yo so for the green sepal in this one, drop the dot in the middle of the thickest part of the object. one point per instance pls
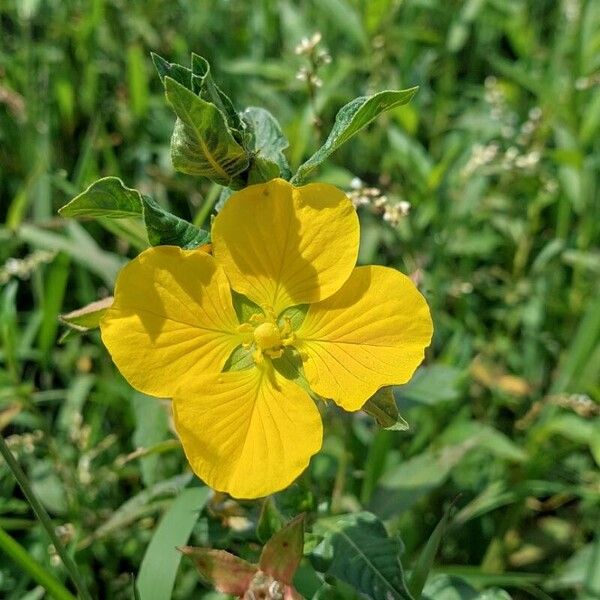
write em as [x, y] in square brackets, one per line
[289, 365]
[383, 408]
[244, 307]
[239, 360]
[86, 318]
[202, 142]
[266, 143]
[295, 314]
[350, 120]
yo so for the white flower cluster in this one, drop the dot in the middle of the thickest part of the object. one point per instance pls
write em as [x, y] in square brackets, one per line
[24, 267]
[309, 76]
[24, 442]
[317, 57]
[377, 202]
[523, 152]
[586, 83]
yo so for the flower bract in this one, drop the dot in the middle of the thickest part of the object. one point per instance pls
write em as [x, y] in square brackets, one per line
[244, 339]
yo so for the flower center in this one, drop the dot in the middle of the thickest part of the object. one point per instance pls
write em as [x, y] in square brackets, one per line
[267, 336]
[264, 333]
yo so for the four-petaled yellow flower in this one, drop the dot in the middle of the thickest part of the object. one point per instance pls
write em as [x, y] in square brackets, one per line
[247, 424]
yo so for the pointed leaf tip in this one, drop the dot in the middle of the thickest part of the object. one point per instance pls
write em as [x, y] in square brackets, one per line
[226, 572]
[283, 552]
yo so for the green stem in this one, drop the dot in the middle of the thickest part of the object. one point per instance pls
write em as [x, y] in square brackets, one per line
[44, 519]
[22, 558]
[207, 207]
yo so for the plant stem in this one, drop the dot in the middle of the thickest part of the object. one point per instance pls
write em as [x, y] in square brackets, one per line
[22, 558]
[207, 207]
[44, 519]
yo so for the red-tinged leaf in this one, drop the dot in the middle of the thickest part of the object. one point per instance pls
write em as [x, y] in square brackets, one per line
[283, 552]
[226, 572]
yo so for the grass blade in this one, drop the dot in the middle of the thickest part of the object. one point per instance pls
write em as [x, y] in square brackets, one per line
[22, 558]
[161, 560]
[421, 571]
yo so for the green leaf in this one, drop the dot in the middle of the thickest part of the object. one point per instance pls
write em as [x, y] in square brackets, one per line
[110, 198]
[383, 408]
[161, 559]
[402, 486]
[107, 197]
[180, 74]
[350, 120]
[55, 285]
[267, 145]
[421, 570]
[88, 317]
[164, 228]
[270, 520]
[151, 428]
[433, 384]
[204, 86]
[360, 552]
[202, 143]
[444, 587]
[138, 506]
[39, 573]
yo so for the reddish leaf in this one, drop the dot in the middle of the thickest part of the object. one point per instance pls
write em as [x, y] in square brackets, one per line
[283, 552]
[227, 573]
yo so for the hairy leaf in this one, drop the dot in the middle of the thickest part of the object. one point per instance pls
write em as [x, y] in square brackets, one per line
[110, 198]
[350, 120]
[202, 143]
[164, 228]
[207, 89]
[181, 74]
[267, 145]
[107, 197]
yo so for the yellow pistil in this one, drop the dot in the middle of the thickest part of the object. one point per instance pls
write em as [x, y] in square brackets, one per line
[267, 336]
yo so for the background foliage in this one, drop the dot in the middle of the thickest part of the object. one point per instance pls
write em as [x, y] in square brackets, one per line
[498, 155]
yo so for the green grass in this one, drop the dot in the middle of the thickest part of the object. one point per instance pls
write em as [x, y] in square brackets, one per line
[498, 155]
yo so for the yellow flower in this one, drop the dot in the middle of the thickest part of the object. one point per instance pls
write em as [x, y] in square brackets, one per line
[246, 421]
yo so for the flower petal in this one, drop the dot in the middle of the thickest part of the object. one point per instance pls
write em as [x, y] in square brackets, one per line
[172, 319]
[282, 246]
[372, 332]
[248, 433]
